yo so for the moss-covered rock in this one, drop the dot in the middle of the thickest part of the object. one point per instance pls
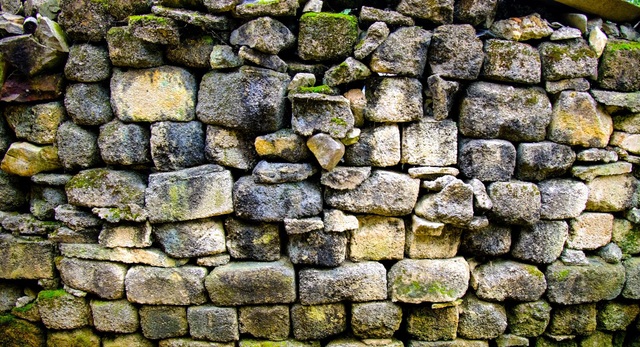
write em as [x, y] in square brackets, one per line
[20, 333]
[326, 36]
[61, 310]
[617, 69]
[573, 284]
[106, 188]
[567, 60]
[22, 259]
[127, 50]
[430, 280]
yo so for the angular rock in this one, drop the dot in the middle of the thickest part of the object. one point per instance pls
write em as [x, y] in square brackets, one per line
[77, 146]
[213, 323]
[616, 316]
[384, 193]
[205, 21]
[626, 236]
[480, 320]
[104, 279]
[611, 253]
[154, 29]
[166, 286]
[149, 256]
[128, 212]
[377, 320]
[303, 226]
[88, 104]
[61, 310]
[492, 240]
[317, 248]
[379, 145]
[283, 144]
[337, 221]
[565, 33]
[542, 160]
[490, 110]
[82, 337]
[529, 319]
[611, 193]
[263, 34]
[199, 192]
[438, 12]
[230, 148]
[456, 52]
[161, 322]
[432, 172]
[252, 283]
[476, 12]
[193, 51]
[348, 71]
[318, 321]
[223, 57]
[628, 123]
[588, 173]
[452, 205]
[590, 231]
[104, 188]
[165, 93]
[268, 322]
[26, 224]
[85, 20]
[403, 53]
[266, 172]
[509, 61]
[344, 177]
[431, 324]
[251, 240]
[632, 270]
[570, 285]
[191, 239]
[177, 145]
[515, 202]
[541, 243]
[567, 60]
[487, 160]
[574, 257]
[315, 112]
[626, 141]
[438, 280]
[116, 316]
[562, 198]
[573, 320]
[377, 238]
[38, 123]
[124, 143]
[25, 259]
[577, 120]
[442, 95]
[578, 84]
[125, 235]
[328, 151]
[126, 50]
[522, 29]
[508, 280]
[269, 61]
[19, 88]
[615, 70]
[249, 99]
[376, 34]
[355, 282]
[372, 14]
[44, 200]
[617, 100]
[252, 9]
[393, 100]
[29, 56]
[426, 245]
[326, 36]
[87, 63]
[26, 159]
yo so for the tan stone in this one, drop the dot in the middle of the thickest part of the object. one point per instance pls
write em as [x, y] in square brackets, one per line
[590, 230]
[378, 238]
[578, 120]
[611, 193]
[626, 141]
[424, 246]
[327, 151]
[26, 159]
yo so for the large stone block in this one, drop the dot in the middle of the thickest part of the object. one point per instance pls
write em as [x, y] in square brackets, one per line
[166, 286]
[126, 50]
[562, 198]
[177, 145]
[611, 193]
[487, 160]
[124, 143]
[509, 61]
[77, 146]
[200, 192]
[24, 259]
[529, 319]
[161, 322]
[88, 103]
[567, 60]
[87, 63]
[85, 20]
[213, 323]
[317, 248]
[456, 52]
[433, 324]
[105, 188]
[378, 145]
[590, 231]
[515, 202]
[357, 282]
[404, 52]
[615, 70]
[430, 142]
[115, 316]
[191, 239]
[315, 112]
[427, 280]
[492, 240]
[503, 280]
[36, 123]
[542, 160]
[148, 256]
[573, 320]
[250, 99]
[315, 322]
[61, 310]
[268, 322]
[393, 100]
[577, 120]
[229, 147]
[165, 93]
[576, 284]
[252, 240]
[249, 283]
[104, 279]
[377, 238]
[326, 36]
[481, 320]
[375, 320]
[541, 243]
[26, 159]
[438, 11]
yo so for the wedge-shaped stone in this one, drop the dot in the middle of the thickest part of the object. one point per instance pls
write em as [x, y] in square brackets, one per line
[403, 53]
[166, 286]
[315, 112]
[148, 256]
[578, 121]
[23, 259]
[508, 280]
[165, 93]
[356, 282]
[571, 285]
[188, 194]
[249, 283]
[105, 188]
[104, 279]
[438, 280]
[26, 159]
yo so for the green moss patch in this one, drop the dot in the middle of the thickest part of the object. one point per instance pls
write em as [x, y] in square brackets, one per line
[323, 89]
[147, 19]
[620, 45]
[51, 294]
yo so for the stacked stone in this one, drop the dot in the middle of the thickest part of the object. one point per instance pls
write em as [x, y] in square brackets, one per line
[185, 179]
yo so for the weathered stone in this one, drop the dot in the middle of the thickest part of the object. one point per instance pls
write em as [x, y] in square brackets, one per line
[26, 224]
[251, 9]
[149, 256]
[476, 12]
[574, 257]
[269, 61]
[251, 240]
[213, 323]
[631, 289]
[452, 205]
[166, 286]
[266, 172]
[384, 193]
[393, 100]
[67, 235]
[315, 112]
[303, 225]
[193, 51]
[375, 319]
[77, 146]
[487, 160]
[318, 321]
[573, 59]
[403, 53]
[126, 50]
[214, 260]
[590, 231]
[570, 285]
[263, 34]
[38, 123]
[456, 52]
[355, 282]
[85, 20]
[26, 159]
[577, 120]
[78, 337]
[526, 28]
[425, 245]
[439, 280]
[480, 320]
[611, 193]
[25, 259]
[119, 316]
[344, 177]
[13, 192]
[597, 41]
[529, 319]
[578, 84]
[124, 143]
[492, 240]
[626, 141]
[283, 144]
[125, 235]
[88, 103]
[614, 70]
[20, 88]
[317, 248]
[541, 243]
[515, 202]
[249, 99]
[588, 173]
[29, 56]
[7, 136]
[20, 333]
[268, 322]
[104, 188]
[431, 324]
[438, 12]
[350, 70]
[76, 218]
[202, 20]
[337, 221]
[10, 296]
[223, 57]
[481, 199]
[200, 192]
[61, 310]
[191, 239]
[629, 123]
[565, 33]
[165, 93]
[490, 110]
[616, 316]
[562, 198]
[458, 342]
[154, 29]
[542, 160]
[432, 172]
[326, 36]
[442, 94]
[379, 145]
[328, 151]
[598, 338]
[617, 100]
[375, 35]
[301, 80]
[626, 236]
[177, 145]
[377, 238]
[230, 148]
[283, 343]
[161, 322]
[372, 14]
[101, 278]
[187, 342]
[573, 320]
[129, 213]
[250, 283]
[508, 280]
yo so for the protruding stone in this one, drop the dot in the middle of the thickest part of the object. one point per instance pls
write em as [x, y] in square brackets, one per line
[303, 226]
[327, 151]
[206, 21]
[476, 12]
[597, 41]
[515, 202]
[481, 320]
[125, 50]
[246, 8]
[315, 112]
[580, 84]
[393, 100]
[578, 121]
[487, 160]
[318, 321]
[542, 160]
[541, 243]
[350, 70]
[508, 280]
[442, 94]
[611, 193]
[614, 69]
[345, 177]
[61, 310]
[104, 279]
[124, 143]
[531, 27]
[212, 323]
[105, 188]
[439, 280]
[403, 53]
[148, 256]
[617, 100]
[193, 51]
[29, 56]
[529, 319]
[438, 12]
[377, 238]
[264, 34]
[456, 52]
[375, 319]
[573, 59]
[38, 123]
[26, 159]
[115, 316]
[570, 285]
[337, 221]
[223, 57]
[588, 173]
[376, 34]
[326, 36]
[452, 205]
[283, 144]
[269, 61]
[166, 286]
[379, 145]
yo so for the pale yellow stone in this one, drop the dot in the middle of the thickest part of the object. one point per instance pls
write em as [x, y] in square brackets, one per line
[26, 159]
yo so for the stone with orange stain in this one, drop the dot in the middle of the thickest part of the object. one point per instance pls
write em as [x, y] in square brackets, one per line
[577, 120]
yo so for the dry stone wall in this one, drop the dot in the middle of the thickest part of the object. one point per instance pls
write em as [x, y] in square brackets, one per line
[260, 173]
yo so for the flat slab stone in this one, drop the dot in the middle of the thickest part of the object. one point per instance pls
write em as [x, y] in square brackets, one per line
[627, 101]
[147, 256]
[166, 286]
[23, 259]
[105, 188]
[588, 173]
[165, 93]
[104, 279]
[428, 280]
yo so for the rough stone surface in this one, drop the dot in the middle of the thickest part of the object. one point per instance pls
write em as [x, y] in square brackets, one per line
[393, 100]
[541, 243]
[87, 63]
[161, 322]
[81, 337]
[194, 52]
[509, 61]
[614, 70]
[213, 323]
[453, 204]
[508, 280]
[326, 36]
[104, 279]
[456, 52]
[345, 177]
[590, 231]
[105, 188]
[264, 34]
[570, 285]
[318, 321]
[379, 145]
[124, 143]
[588, 173]
[377, 238]
[529, 319]
[317, 248]
[542, 160]
[375, 319]
[88, 104]
[126, 50]
[38, 123]
[431, 324]
[442, 95]
[481, 319]
[403, 53]
[567, 60]
[438, 12]
[577, 120]
[152, 257]
[611, 193]
[509, 201]
[229, 147]
[625, 235]
[523, 28]
[26, 159]
[252, 240]
[476, 12]
[376, 34]
[425, 245]
[77, 147]
[487, 160]
[573, 320]
[166, 286]
[632, 269]
[116, 316]
[283, 144]
[492, 240]
[430, 142]
[61, 310]
[177, 145]
[562, 198]
[315, 112]
[25, 259]
[439, 280]
[268, 322]
[192, 238]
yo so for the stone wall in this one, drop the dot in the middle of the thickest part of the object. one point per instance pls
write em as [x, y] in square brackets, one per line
[295, 174]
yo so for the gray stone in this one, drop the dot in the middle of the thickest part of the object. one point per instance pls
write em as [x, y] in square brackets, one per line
[105, 188]
[509, 201]
[126, 235]
[13, 192]
[264, 34]
[617, 316]
[82, 337]
[588, 173]
[177, 145]
[76, 218]
[318, 321]
[345, 177]
[317, 248]
[611, 193]
[268, 322]
[481, 320]
[481, 199]
[61, 310]
[430, 142]
[425, 245]
[85, 20]
[526, 28]
[384, 193]
[125, 213]
[214, 260]
[565, 33]
[349, 71]
[200, 192]
[377, 238]
[303, 225]
[617, 100]
[578, 84]
[250, 9]
[375, 35]
[161, 322]
[124, 143]
[611, 253]
[77, 147]
[154, 29]
[223, 57]
[632, 269]
[252, 240]
[269, 61]
[117, 316]
[355, 282]
[458, 342]
[427, 323]
[204, 21]
[542, 160]
[249, 99]
[372, 14]
[625, 235]
[438, 12]
[352, 342]
[250, 283]
[36, 123]
[193, 51]
[403, 53]
[490, 110]
[66, 235]
[149, 256]
[574, 257]
[432, 172]
[487, 160]
[132, 340]
[492, 240]
[26, 224]
[570, 285]
[104, 279]
[9, 295]
[187, 342]
[315, 112]
[452, 205]
[614, 70]
[629, 123]
[428, 280]
[284, 343]
[337, 221]
[503, 280]
[300, 80]
[442, 94]
[393, 100]
[165, 93]
[44, 200]
[326, 36]
[29, 56]
[213, 323]
[529, 319]
[590, 230]
[379, 320]
[88, 103]
[283, 144]
[379, 145]
[541, 243]
[455, 52]
[166, 286]
[572, 59]
[275, 202]
[476, 12]
[52, 179]
[562, 198]
[126, 50]
[573, 320]
[229, 147]
[266, 172]
[192, 238]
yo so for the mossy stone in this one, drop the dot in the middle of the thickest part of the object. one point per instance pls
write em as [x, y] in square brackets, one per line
[327, 36]
[20, 333]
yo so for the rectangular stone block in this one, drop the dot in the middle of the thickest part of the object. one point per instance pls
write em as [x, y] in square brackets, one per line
[427, 280]
[213, 323]
[166, 286]
[22, 259]
[430, 142]
[104, 279]
[377, 238]
[149, 256]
